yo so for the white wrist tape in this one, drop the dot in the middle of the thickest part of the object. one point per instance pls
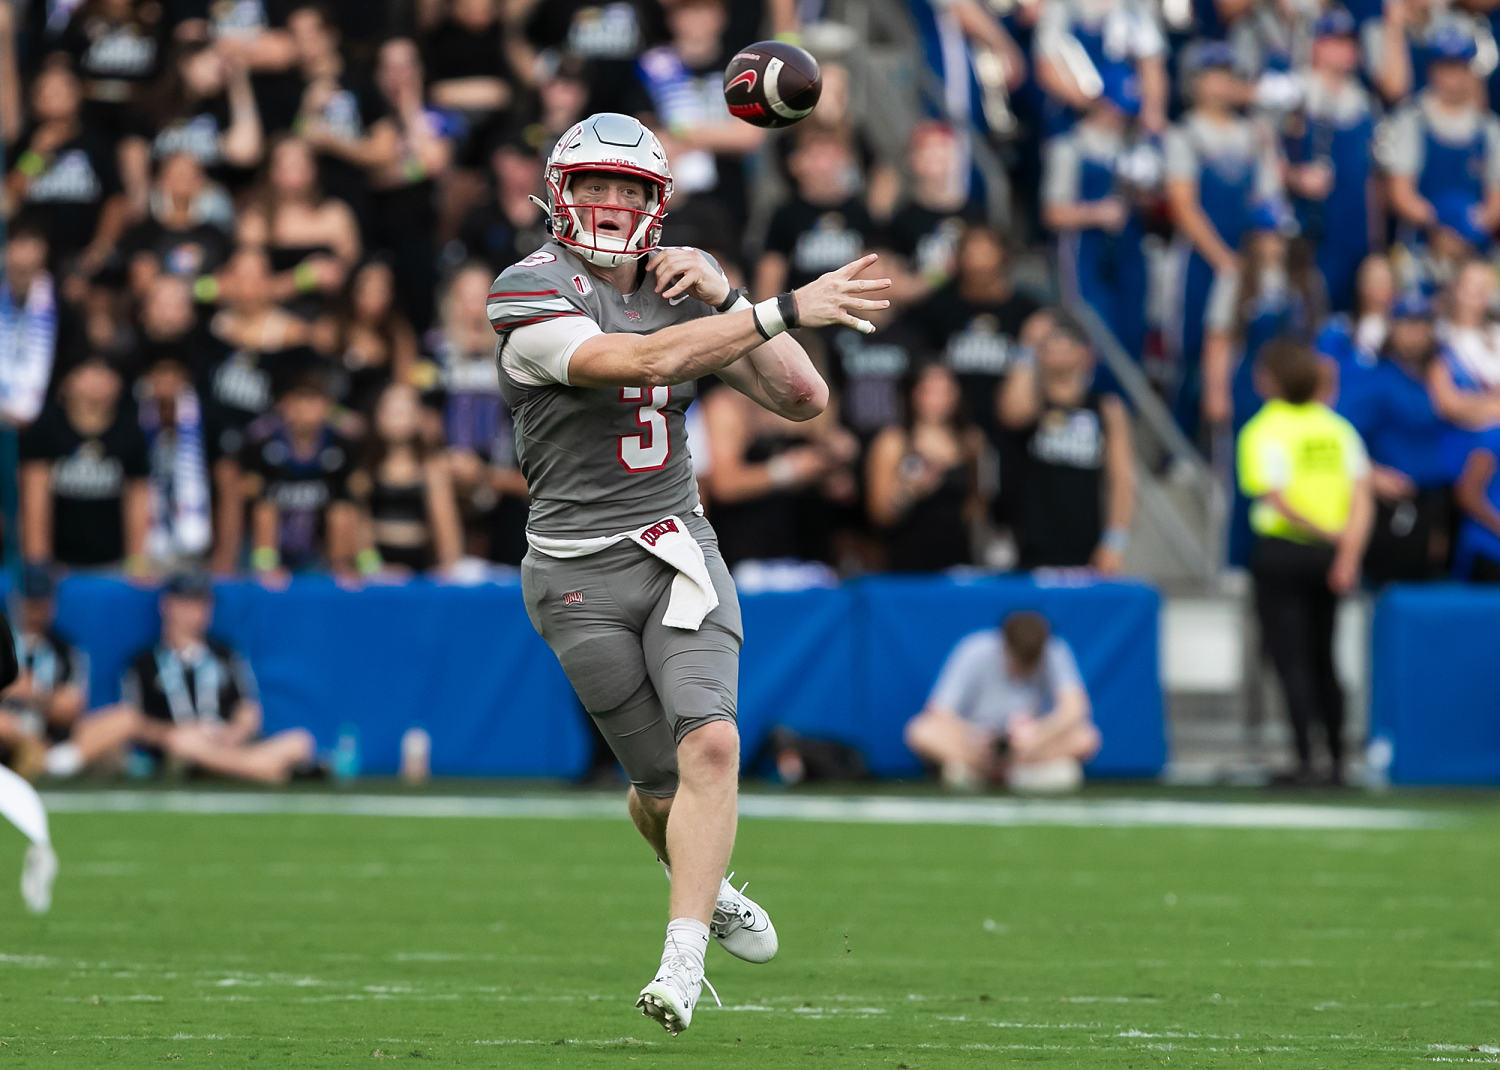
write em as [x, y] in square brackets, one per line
[768, 319]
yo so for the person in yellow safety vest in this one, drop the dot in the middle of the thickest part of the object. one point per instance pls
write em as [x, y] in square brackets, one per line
[1308, 477]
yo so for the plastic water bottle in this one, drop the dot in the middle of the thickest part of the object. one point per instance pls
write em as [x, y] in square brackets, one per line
[416, 756]
[346, 753]
[1380, 753]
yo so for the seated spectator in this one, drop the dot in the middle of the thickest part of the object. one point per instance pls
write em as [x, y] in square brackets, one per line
[199, 702]
[406, 490]
[1218, 165]
[927, 225]
[84, 493]
[374, 343]
[185, 232]
[1476, 556]
[506, 225]
[774, 483]
[922, 482]
[66, 174]
[1443, 142]
[404, 189]
[684, 80]
[824, 225]
[312, 240]
[1351, 342]
[1094, 190]
[1010, 708]
[1415, 455]
[1077, 494]
[44, 704]
[297, 471]
[179, 525]
[1308, 477]
[1330, 147]
[203, 106]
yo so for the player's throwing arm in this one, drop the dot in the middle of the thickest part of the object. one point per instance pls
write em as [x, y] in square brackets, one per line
[688, 351]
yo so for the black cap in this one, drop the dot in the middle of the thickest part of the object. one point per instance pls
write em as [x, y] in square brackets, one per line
[189, 583]
[37, 582]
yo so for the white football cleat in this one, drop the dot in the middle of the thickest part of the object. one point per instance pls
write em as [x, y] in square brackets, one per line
[37, 874]
[742, 926]
[673, 993]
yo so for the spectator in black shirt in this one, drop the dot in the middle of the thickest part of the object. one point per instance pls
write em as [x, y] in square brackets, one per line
[203, 105]
[116, 47]
[609, 37]
[825, 225]
[338, 111]
[373, 343]
[84, 498]
[923, 477]
[200, 700]
[975, 321]
[297, 470]
[925, 229]
[186, 231]
[471, 54]
[66, 173]
[506, 225]
[1078, 475]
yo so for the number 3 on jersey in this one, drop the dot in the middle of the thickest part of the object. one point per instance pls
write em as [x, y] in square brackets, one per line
[649, 450]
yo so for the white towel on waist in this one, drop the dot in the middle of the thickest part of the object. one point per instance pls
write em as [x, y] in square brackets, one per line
[693, 596]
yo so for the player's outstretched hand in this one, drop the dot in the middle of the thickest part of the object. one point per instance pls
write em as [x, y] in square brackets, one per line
[836, 296]
[683, 270]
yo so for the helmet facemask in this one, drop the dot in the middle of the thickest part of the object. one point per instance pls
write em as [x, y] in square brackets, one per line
[575, 224]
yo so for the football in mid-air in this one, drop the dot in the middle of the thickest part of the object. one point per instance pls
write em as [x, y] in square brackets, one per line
[771, 83]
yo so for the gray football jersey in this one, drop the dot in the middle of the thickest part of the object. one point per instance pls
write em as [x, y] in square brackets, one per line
[598, 460]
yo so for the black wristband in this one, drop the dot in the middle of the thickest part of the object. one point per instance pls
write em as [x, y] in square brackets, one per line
[786, 304]
[735, 293]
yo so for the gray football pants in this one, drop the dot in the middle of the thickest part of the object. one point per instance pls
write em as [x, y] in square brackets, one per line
[646, 685]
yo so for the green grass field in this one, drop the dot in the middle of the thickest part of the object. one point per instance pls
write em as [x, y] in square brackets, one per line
[317, 940]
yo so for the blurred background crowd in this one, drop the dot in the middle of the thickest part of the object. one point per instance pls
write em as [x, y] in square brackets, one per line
[248, 241]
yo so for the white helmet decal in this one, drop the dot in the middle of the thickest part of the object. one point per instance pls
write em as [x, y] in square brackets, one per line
[616, 144]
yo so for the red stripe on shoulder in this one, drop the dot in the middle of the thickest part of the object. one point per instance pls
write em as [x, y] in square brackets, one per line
[523, 293]
[508, 325]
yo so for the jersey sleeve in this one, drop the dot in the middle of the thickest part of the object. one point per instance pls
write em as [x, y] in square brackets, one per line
[957, 684]
[531, 293]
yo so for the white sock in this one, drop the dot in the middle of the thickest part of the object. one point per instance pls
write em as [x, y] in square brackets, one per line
[63, 760]
[20, 803]
[687, 937]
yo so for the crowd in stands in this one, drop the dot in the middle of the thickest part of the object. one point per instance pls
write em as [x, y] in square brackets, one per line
[242, 318]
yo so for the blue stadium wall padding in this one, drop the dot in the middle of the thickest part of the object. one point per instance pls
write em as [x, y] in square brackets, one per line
[849, 663]
[909, 624]
[1435, 691]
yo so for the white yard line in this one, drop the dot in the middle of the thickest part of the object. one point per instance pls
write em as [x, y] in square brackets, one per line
[879, 810]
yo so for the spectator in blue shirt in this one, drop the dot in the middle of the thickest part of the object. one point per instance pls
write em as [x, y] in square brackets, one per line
[1476, 554]
[1414, 452]
[1008, 707]
[1217, 165]
[1350, 343]
[1329, 146]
